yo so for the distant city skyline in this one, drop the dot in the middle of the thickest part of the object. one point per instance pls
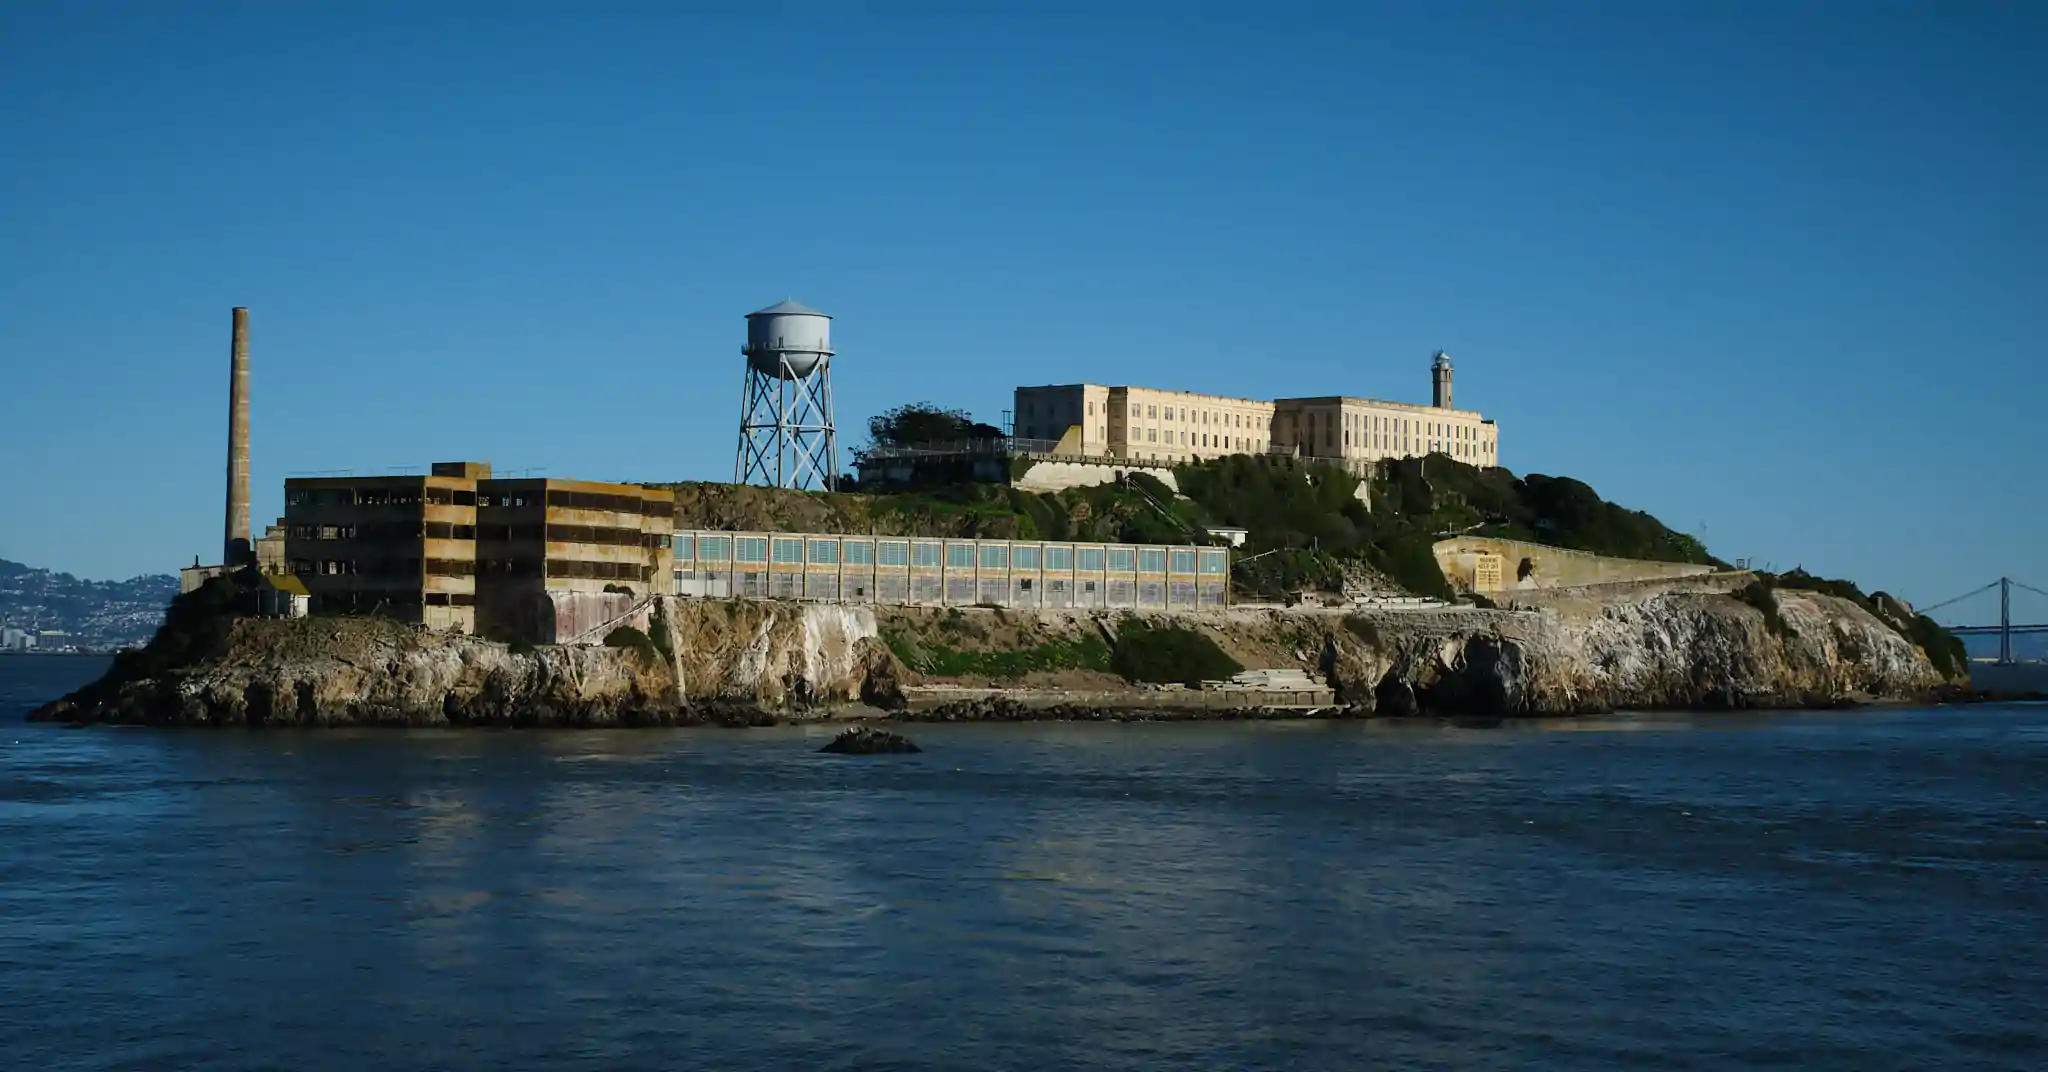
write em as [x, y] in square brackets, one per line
[1770, 275]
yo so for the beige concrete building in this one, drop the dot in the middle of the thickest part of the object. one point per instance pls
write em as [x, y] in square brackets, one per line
[1360, 430]
[1143, 424]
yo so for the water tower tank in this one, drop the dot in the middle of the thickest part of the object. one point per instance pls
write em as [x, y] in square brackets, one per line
[787, 331]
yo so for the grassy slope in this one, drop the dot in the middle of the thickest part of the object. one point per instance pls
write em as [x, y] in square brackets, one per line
[1305, 513]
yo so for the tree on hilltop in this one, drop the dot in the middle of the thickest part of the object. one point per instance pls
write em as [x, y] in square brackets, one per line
[916, 424]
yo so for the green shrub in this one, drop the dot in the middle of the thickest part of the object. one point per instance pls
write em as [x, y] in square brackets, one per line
[1758, 594]
[1944, 649]
[1166, 654]
[1086, 652]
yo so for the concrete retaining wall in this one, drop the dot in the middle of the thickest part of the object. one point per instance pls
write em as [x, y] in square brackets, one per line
[1469, 563]
[1061, 475]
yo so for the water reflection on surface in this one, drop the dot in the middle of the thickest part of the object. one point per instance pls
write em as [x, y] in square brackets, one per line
[1848, 890]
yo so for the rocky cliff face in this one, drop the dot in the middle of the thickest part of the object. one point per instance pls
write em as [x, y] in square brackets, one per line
[730, 661]
[734, 660]
[1667, 650]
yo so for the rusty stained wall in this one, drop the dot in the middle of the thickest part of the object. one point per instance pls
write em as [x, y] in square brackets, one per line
[318, 549]
[589, 616]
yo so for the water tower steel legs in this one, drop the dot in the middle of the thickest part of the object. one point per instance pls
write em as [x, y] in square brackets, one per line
[787, 438]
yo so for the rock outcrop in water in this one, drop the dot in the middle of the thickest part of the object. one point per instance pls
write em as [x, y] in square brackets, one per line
[868, 741]
[754, 661]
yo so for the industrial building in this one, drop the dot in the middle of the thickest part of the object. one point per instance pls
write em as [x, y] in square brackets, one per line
[559, 558]
[520, 558]
[1142, 425]
[949, 572]
[403, 546]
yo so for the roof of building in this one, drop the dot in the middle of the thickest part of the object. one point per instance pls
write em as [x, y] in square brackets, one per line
[788, 307]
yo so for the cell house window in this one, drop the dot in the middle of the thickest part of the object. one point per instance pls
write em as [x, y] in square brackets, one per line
[925, 555]
[893, 554]
[751, 549]
[1091, 560]
[1152, 560]
[994, 556]
[959, 556]
[1122, 559]
[789, 552]
[1059, 559]
[1215, 562]
[1183, 562]
[686, 548]
[1025, 558]
[857, 552]
[824, 552]
[715, 548]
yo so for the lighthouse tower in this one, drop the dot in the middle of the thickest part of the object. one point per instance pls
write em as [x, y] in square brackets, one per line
[1440, 380]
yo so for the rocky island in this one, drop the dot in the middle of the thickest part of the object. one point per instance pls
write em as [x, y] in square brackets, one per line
[1325, 626]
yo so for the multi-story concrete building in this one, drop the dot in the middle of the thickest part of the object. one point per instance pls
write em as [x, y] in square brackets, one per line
[556, 558]
[402, 546]
[1144, 424]
[1141, 424]
[1359, 430]
[527, 559]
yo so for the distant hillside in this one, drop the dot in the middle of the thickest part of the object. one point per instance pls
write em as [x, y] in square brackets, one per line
[97, 615]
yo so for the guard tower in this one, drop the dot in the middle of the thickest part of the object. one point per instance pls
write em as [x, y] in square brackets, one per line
[787, 437]
[1440, 380]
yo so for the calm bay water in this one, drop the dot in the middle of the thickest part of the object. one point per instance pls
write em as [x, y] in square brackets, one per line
[1832, 891]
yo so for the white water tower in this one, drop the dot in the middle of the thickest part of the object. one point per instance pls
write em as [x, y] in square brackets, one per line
[787, 437]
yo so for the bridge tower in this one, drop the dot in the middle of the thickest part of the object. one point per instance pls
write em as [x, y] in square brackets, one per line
[2005, 620]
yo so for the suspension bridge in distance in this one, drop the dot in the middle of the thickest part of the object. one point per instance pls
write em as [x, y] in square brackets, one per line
[2005, 630]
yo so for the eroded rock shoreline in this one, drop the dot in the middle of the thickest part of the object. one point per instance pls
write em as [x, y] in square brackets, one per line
[739, 663]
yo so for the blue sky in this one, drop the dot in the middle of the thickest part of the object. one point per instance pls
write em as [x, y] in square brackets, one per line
[1772, 270]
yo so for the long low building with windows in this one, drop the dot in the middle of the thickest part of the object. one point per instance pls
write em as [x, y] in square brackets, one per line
[930, 571]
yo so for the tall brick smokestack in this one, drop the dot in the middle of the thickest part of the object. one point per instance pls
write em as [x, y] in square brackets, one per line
[237, 548]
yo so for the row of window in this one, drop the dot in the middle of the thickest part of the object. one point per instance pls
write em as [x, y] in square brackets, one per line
[1214, 418]
[1111, 592]
[566, 500]
[953, 554]
[414, 568]
[370, 602]
[441, 530]
[1205, 440]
